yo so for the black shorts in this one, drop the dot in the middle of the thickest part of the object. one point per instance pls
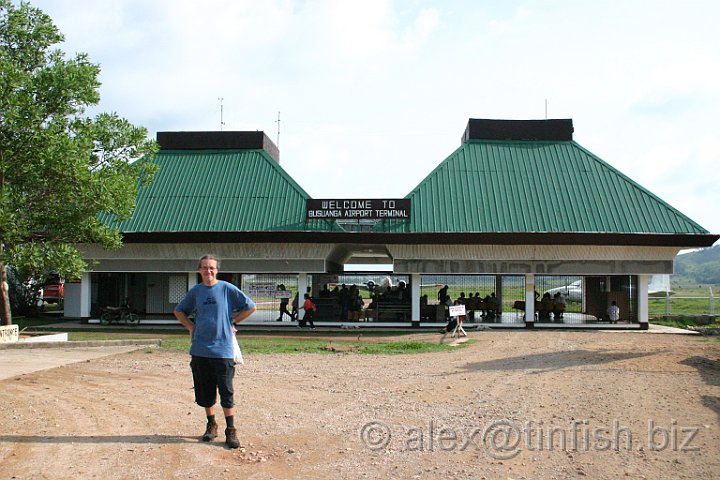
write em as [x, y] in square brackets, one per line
[212, 376]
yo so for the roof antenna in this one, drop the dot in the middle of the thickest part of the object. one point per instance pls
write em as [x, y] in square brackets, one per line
[546, 109]
[277, 143]
[221, 113]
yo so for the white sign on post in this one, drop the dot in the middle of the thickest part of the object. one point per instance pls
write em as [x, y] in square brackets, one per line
[458, 311]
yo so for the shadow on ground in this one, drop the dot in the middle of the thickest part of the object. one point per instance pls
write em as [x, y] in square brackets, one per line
[99, 439]
[555, 360]
[708, 369]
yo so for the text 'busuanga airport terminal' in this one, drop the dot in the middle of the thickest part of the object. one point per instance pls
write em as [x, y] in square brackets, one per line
[518, 213]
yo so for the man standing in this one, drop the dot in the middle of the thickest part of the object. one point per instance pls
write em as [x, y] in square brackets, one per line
[218, 306]
[613, 312]
[284, 301]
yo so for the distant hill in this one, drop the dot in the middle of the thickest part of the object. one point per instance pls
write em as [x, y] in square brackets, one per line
[701, 266]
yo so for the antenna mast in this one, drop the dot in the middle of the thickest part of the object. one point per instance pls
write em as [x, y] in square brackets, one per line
[221, 113]
[277, 143]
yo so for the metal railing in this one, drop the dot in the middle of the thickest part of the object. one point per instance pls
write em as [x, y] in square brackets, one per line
[683, 305]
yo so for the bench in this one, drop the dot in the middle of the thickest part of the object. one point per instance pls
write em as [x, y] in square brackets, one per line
[390, 312]
[542, 311]
[431, 313]
[327, 310]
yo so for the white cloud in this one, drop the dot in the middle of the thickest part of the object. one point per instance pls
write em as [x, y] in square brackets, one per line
[679, 170]
[421, 30]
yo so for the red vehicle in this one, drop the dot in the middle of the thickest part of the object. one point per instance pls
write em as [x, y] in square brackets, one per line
[53, 291]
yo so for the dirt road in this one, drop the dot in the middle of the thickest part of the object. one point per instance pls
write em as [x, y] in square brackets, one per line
[510, 405]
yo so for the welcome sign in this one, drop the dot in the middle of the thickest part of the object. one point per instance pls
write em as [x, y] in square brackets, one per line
[357, 209]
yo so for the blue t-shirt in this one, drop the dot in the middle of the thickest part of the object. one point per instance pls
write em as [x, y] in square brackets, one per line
[213, 308]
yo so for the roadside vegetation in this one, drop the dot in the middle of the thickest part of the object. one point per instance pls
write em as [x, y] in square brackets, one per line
[287, 345]
[389, 343]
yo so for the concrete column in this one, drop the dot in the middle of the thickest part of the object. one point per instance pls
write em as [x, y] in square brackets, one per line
[642, 296]
[529, 299]
[85, 295]
[192, 279]
[77, 298]
[302, 287]
[415, 296]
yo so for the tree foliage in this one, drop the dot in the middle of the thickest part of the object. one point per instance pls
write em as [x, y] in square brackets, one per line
[59, 168]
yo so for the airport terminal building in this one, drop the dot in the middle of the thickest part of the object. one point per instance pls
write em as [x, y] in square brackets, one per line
[518, 209]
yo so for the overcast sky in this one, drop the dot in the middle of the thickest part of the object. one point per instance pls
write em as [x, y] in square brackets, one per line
[373, 94]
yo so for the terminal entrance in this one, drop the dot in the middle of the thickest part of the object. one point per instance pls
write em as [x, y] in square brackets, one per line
[491, 299]
[385, 297]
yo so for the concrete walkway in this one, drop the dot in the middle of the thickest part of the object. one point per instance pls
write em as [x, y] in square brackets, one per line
[663, 329]
[21, 361]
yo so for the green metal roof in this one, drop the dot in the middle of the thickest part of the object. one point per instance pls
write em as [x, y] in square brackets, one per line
[220, 191]
[534, 186]
[507, 177]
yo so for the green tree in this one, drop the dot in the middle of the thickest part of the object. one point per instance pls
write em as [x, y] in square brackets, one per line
[59, 168]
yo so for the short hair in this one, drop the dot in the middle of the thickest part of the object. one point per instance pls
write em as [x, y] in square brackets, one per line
[209, 257]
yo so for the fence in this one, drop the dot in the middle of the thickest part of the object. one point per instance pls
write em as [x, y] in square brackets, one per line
[682, 305]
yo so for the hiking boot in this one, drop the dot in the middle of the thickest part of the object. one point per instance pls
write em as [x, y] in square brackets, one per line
[231, 439]
[210, 432]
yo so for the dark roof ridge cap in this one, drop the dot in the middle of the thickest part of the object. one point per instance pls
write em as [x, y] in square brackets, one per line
[218, 140]
[192, 151]
[486, 140]
[493, 129]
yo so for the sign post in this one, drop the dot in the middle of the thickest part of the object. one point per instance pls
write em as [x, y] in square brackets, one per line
[458, 311]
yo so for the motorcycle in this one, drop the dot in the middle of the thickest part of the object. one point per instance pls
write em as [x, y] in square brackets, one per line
[121, 314]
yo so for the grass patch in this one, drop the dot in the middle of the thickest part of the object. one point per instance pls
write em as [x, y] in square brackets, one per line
[382, 343]
[677, 305]
[98, 336]
[395, 348]
[264, 345]
[32, 322]
[176, 342]
[284, 345]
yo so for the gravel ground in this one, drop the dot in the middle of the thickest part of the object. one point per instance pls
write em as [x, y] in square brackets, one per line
[509, 405]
